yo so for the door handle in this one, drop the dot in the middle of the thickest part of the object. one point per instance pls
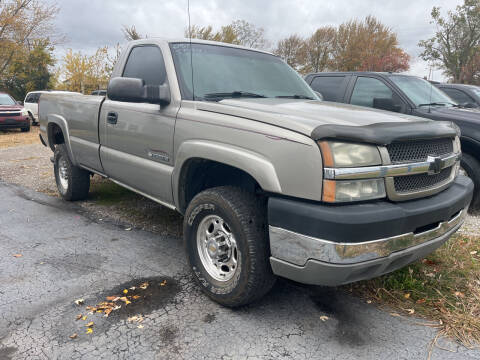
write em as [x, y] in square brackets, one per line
[112, 117]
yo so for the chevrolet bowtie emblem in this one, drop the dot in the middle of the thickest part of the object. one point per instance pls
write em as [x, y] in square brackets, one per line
[436, 165]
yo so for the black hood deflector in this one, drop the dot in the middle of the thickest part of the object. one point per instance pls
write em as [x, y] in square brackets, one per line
[386, 133]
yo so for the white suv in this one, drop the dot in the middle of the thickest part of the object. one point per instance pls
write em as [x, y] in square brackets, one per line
[31, 102]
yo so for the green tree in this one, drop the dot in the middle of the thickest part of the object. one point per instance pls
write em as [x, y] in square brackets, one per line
[456, 43]
[29, 70]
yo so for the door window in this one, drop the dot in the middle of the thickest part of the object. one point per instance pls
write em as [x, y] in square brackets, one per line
[146, 62]
[374, 93]
[459, 96]
[328, 86]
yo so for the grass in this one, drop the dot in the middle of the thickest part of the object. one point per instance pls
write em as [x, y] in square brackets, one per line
[444, 287]
[14, 137]
[107, 193]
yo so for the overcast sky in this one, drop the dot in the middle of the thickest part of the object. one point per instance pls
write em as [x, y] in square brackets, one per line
[88, 25]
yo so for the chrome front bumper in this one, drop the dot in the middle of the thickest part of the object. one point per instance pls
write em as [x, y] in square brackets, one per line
[297, 249]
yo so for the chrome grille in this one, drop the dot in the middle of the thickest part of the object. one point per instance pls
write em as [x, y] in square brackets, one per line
[419, 182]
[419, 150]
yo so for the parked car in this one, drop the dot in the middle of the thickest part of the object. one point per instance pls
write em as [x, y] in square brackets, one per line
[99, 92]
[271, 181]
[407, 95]
[31, 102]
[12, 114]
[467, 96]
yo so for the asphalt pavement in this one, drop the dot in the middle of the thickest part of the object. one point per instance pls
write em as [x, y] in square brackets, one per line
[53, 253]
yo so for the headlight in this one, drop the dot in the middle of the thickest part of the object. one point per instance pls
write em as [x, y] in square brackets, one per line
[24, 112]
[353, 190]
[342, 154]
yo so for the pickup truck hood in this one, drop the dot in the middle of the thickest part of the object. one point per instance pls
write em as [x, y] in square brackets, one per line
[10, 107]
[319, 119]
[452, 114]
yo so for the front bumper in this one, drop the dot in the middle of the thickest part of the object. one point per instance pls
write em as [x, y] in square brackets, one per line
[334, 245]
[14, 122]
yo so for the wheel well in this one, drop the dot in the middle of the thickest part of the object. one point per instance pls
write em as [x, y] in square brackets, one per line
[55, 135]
[470, 147]
[200, 174]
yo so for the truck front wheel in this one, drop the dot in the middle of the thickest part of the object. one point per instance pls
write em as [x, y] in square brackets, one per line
[471, 167]
[73, 183]
[226, 241]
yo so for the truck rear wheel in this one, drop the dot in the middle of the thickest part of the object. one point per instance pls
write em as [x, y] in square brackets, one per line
[472, 168]
[225, 237]
[73, 183]
[25, 129]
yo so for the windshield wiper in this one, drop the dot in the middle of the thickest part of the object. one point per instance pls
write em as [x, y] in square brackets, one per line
[233, 94]
[294, 97]
[432, 104]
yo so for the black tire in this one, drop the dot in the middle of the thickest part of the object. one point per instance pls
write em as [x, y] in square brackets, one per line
[245, 215]
[78, 180]
[472, 167]
[25, 129]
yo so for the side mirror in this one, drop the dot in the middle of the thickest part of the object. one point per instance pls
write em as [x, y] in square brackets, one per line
[20, 103]
[319, 94]
[135, 90]
[385, 104]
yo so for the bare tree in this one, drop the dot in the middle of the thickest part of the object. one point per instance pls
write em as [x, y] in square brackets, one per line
[318, 50]
[130, 33]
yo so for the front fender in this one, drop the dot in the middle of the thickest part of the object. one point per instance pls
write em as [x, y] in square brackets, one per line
[252, 163]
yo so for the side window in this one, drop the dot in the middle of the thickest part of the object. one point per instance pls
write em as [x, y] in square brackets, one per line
[146, 62]
[374, 93]
[29, 99]
[459, 96]
[328, 86]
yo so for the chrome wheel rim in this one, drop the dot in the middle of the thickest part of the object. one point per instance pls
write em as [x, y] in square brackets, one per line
[63, 173]
[217, 248]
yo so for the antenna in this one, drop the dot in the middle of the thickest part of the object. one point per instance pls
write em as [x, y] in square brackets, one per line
[430, 100]
[191, 51]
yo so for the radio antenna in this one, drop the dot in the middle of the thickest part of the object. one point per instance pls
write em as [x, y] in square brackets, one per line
[191, 51]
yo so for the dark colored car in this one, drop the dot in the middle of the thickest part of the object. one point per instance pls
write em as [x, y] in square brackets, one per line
[466, 95]
[12, 114]
[408, 95]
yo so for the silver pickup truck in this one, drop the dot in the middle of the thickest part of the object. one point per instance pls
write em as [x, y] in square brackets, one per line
[271, 181]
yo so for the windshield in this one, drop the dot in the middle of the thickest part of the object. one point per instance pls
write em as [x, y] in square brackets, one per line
[421, 92]
[6, 99]
[221, 71]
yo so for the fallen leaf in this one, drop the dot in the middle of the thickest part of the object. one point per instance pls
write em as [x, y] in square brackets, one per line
[410, 311]
[394, 314]
[78, 317]
[324, 318]
[143, 286]
[428, 262]
[421, 301]
[112, 298]
[128, 229]
[163, 283]
[17, 255]
[140, 326]
[90, 324]
[132, 288]
[459, 294]
[117, 307]
[73, 336]
[89, 331]
[407, 296]
[84, 317]
[79, 301]
[125, 291]
[369, 301]
[471, 253]
[135, 297]
[125, 300]
[132, 318]
[107, 312]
